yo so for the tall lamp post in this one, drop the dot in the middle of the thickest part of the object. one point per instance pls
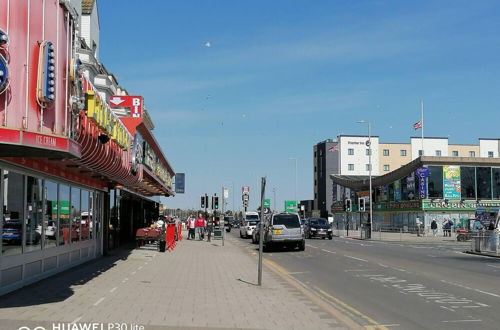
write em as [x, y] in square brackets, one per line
[369, 145]
[295, 159]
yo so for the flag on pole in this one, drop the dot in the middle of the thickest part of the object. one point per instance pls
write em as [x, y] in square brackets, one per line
[417, 125]
[333, 148]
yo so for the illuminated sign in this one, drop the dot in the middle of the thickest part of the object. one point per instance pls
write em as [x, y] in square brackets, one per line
[46, 80]
[101, 114]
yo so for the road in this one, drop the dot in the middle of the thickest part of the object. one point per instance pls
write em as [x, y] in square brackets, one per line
[397, 285]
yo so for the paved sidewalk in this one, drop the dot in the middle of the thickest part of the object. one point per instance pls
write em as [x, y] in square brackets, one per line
[198, 285]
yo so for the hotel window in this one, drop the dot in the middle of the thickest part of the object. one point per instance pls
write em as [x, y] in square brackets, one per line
[454, 153]
[438, 153]
[490, 154]
[403, 153]
[472, 154]
[386, 152]
[386, 168]
[367, 167]
[368, 152]
[350, 167]
[350, 151]
[420, 153]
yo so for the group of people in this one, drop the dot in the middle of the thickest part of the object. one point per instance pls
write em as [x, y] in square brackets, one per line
[447, 225]
[201, 226]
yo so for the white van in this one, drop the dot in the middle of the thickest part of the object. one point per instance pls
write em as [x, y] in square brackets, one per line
[250, 220]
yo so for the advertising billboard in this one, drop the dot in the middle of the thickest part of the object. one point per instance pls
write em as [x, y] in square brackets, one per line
[451, 182]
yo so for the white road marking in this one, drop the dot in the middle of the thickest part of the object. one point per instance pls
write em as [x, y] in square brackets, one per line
[432, 256]
[383, 265]
[486, 292]
[494, 266]
[328, 251]
[99, 301]
[113, 289]
[314, 247]
[77, 319]
[139, 268]
[355, 258]
[125, 280]
[133, 273]
[456, 321]
[388, 325]
[399, 269]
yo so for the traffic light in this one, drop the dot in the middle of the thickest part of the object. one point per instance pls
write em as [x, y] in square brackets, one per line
[361, 203]
[46, 81]
[216, 203]
[202, 202]
[348, 205]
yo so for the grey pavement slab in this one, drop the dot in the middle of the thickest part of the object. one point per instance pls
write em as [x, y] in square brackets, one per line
[198, 285]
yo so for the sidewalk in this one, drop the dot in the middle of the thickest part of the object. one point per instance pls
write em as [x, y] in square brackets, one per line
[198, 285]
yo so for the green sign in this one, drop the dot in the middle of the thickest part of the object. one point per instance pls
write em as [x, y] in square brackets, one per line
[63, 207]
[457, 205]
[398, 206]
[267, 203]
[290, 206]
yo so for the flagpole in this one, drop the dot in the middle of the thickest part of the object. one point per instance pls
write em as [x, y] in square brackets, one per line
[422, 122]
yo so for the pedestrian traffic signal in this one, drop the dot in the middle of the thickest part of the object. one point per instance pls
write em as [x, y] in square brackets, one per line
[361, 203]
[46, 81]
[216, 203]
[203, 202]
[348, 205]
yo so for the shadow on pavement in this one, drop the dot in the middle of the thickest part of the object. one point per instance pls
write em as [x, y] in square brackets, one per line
[59, 286]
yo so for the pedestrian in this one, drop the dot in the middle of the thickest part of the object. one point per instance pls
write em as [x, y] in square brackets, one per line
[210, 228]
[491, 226]
[445, 227]
[191, 227]
[434, 227]
[477, 225]
[200, 226]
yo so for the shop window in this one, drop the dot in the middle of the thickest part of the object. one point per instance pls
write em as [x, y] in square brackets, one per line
[490, 154]
[386, 152]
[75, 216]
[435, 185]
[420, 153]
[483, 177]
[454, 153]
[386, 168]
[350, 167]
[350, 151]
[34, 214]
[495, 175]
[63, 209]
[468, 182]
[50, 219]
[86, 216]
[472, 154]
[13, 213]
[402, 153]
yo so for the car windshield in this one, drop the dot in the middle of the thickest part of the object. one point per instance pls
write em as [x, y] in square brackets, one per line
[288, 220]
[319, 221]
[252, 217]
[252, 223]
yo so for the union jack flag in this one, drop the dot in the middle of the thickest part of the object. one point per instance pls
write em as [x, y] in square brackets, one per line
[417, 125]
[333, 148]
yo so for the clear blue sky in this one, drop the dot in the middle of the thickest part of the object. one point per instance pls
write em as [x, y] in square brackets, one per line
[280, 76]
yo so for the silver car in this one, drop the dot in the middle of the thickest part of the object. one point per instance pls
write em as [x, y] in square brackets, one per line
[284, 229]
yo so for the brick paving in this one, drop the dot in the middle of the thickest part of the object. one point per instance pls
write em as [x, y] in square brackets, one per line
[198, 285]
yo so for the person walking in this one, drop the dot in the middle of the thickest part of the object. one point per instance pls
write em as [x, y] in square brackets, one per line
[210, 228]
[434, 227]
[191, 227]
[200, 226]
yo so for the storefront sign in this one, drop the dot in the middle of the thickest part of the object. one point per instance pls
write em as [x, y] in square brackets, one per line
[402, 206]
[134, 103]
[422, 174]
[451, 182]
[443, 205]
[101, 114]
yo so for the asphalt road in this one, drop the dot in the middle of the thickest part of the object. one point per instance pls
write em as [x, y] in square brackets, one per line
[397, 285]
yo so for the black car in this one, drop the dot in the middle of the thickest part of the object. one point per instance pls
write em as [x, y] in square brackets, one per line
[318, 227]
[228, 223]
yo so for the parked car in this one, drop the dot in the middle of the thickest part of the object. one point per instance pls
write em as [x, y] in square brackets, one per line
[284, 229]
[318, 227]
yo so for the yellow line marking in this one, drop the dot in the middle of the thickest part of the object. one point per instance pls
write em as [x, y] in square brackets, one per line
[352, 310]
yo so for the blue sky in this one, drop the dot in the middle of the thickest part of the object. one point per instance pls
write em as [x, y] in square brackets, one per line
[280, 76]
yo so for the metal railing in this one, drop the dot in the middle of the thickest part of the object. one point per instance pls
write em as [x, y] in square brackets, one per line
[485, 241]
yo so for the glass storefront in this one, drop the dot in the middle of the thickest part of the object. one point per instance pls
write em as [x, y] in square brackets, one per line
[41, 213]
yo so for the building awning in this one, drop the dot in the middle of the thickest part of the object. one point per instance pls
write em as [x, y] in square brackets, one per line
[362, 182]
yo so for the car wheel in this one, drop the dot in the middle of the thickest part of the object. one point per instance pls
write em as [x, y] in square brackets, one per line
[241, 236]
[267, 247]
[323, 237]
[302, 246]
[330, 237]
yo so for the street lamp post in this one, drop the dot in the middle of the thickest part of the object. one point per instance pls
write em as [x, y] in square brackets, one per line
[369, 143]
[295, 159]
[274, 196]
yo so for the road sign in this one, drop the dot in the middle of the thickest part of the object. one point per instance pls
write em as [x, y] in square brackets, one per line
[245, 189]
[290, 206]
[226, 193]
[135, 103]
